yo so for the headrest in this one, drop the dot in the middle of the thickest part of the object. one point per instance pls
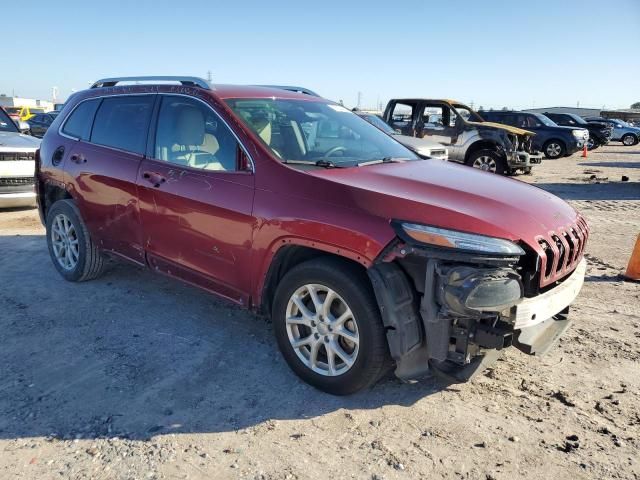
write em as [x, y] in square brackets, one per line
[190, 126]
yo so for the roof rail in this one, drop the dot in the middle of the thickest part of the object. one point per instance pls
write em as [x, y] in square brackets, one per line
[292, 88]
[188, 81]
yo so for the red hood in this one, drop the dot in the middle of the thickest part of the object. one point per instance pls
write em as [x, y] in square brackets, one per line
[452, 196]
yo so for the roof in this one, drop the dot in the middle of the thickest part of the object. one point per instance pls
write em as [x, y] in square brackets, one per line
[221, 91]
[255, 91]
[442, 100]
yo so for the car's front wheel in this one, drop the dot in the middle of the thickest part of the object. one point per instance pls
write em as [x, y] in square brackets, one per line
[74, 254]
[554, 149]
[629, 139]
[592, 144]
[328, 326]
[489, 161]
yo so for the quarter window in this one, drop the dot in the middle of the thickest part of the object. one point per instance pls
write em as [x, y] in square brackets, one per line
[191, 134]
[123, 123]
[78, 125]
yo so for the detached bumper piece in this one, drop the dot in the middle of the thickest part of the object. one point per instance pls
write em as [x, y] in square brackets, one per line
[538, 339]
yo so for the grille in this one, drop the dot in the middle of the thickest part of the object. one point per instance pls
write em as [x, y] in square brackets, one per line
[13, 156]
[16, 181]
[562, 249]
[437, 153]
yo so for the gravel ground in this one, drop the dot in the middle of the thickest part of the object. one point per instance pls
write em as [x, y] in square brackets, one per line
[135, 376]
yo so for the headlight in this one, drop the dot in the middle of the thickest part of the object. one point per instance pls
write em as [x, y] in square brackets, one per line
[440, 237]
[580, 133]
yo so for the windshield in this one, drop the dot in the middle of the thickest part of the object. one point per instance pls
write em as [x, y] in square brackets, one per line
[6, 124]
[466, 113]
[622, 122]
[545, 120]
[317, 133]
[579, 120]
[376, 121]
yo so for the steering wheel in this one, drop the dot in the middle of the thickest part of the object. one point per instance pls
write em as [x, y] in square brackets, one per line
[333, 150]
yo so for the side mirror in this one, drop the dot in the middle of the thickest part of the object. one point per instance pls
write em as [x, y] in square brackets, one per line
[23, 127]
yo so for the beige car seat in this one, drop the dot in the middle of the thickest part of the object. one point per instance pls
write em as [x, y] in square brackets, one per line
[193, 146]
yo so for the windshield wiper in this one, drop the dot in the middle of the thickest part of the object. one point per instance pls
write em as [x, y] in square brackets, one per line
[317, 163]
[383, 160]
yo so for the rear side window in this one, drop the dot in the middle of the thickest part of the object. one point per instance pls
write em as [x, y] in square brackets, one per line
[78, 125]
[123, 123]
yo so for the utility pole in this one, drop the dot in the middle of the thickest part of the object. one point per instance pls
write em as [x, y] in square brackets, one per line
[359, 100]
[209, 77]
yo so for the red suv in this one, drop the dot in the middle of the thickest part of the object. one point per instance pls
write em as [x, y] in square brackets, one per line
[365, 256]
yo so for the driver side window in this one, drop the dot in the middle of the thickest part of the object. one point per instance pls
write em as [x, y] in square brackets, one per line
[191, 134]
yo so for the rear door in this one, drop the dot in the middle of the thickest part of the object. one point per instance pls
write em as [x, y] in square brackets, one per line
[196, 199]
[103, 171]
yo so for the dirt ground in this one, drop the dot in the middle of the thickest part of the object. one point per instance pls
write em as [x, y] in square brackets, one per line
[135, 376]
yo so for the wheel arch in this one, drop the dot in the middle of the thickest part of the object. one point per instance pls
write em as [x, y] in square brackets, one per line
[51, 193]
[288, 253]
[483, 144]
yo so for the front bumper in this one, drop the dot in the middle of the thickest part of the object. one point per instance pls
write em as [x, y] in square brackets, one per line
[522, 159]
[11, 200]
[446, 337]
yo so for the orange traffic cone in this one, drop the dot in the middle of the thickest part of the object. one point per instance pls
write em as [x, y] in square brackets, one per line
[633, 269]
[584, 151]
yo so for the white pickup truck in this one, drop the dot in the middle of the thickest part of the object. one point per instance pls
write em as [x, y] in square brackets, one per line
[17, 165]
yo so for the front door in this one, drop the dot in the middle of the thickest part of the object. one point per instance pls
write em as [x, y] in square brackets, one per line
[196, 199]
[438, 123]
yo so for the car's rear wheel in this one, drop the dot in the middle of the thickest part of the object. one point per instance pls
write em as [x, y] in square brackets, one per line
[74, 254]
[328, 326]
[489, 161]
[554, 149]
[629, 139]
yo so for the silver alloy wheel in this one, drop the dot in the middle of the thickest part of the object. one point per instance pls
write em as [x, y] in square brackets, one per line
[628, 140]
[64, 240]
[486, 163]
[322, 330]
[554, 150]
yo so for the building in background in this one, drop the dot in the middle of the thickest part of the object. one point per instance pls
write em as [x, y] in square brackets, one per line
[6, 101]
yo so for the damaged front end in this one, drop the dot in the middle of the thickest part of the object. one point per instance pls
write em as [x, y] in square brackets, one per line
[450, 311]
[521, 154]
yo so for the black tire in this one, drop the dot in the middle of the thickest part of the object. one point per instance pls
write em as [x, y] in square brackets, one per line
[475, 160]
[354, 287]
[554, 149]
[629, 139]
[90, 261]
[527, 170]
[592, 144]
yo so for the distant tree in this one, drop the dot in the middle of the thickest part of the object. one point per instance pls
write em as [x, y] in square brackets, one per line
[636, 105]
[504, 109]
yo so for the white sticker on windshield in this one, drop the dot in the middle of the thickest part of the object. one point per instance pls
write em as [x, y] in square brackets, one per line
[338, 108]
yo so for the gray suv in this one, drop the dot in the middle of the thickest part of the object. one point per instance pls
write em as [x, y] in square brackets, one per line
[622, 131]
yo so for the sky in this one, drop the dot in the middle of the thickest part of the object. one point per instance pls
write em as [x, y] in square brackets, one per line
[492, 53]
